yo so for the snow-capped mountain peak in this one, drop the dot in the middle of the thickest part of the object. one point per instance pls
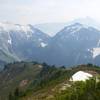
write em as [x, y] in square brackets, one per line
[74, 27]
[87, 22]
[10, 26]
[72, 30]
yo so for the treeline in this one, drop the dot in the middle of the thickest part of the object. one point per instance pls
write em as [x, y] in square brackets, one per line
[49, 75]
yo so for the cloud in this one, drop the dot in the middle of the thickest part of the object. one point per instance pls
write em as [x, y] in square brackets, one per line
[41, 11]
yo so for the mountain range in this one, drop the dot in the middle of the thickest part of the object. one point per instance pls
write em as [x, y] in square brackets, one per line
[76, 43]
[53, 28]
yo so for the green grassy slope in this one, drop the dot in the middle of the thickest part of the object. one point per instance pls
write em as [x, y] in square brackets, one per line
[58, 86]
[14, 76]
[34, 81]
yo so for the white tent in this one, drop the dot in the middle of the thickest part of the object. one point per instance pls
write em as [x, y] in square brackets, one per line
[81, 76]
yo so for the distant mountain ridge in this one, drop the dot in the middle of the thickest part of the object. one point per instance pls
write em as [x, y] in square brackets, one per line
[76, 43]
[53, 28]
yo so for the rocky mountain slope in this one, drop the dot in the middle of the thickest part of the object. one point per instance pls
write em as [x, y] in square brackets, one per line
[20, 42]
[74, 44]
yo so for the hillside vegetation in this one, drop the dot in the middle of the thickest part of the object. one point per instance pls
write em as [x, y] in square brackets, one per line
[35, 81]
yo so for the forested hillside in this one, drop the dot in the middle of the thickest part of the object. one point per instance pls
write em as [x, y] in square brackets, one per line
[35, 81]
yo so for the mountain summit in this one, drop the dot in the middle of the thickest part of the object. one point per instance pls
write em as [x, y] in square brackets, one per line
[19, 41]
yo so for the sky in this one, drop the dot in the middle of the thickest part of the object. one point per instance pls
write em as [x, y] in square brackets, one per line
[48, 11]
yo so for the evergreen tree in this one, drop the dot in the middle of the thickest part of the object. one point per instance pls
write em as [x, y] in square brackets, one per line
[10, 97]
[16, 93]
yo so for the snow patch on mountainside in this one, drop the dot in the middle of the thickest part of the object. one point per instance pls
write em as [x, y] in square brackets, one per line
[73, 27]
[43, 44]
[76, 27]
[81, 76]
[25, 28]
[9, 41]
[96, 52]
